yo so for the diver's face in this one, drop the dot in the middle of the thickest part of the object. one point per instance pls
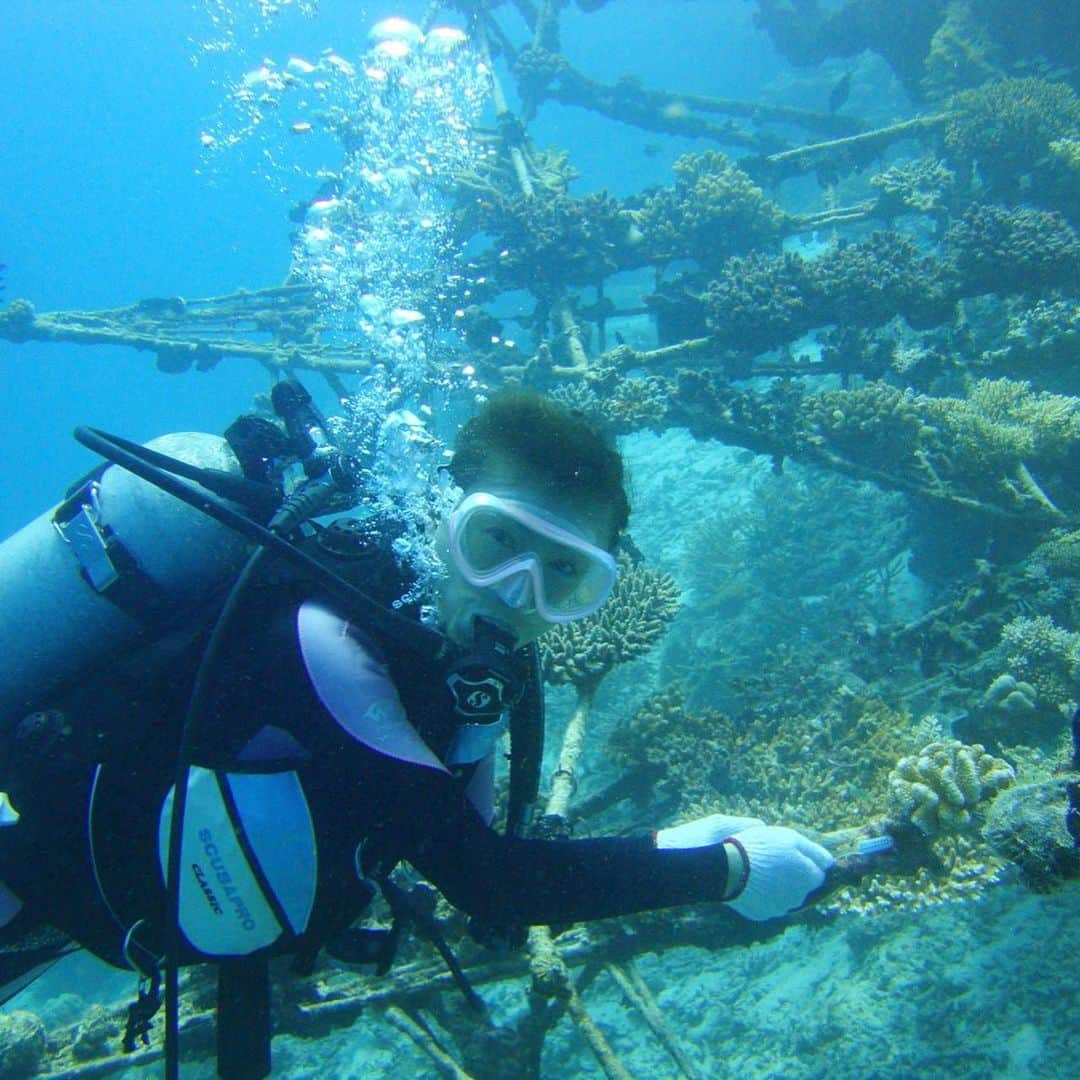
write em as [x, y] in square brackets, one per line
[460, 601]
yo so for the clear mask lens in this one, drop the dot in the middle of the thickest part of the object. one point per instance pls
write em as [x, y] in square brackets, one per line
[530, 556]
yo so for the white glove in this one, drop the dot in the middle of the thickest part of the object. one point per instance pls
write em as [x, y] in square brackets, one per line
[784, 868]
[702, 832]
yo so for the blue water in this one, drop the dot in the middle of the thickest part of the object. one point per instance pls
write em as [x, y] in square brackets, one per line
[106, 198]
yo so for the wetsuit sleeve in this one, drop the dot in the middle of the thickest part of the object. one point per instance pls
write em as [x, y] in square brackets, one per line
[508, 880]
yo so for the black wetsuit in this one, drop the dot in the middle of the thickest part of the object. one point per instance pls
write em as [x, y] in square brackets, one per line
[365, 807]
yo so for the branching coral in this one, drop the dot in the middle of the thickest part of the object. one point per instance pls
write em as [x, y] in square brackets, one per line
[1046, 656]
[1007, 126]
[555, 240]
[614, 401]
[714, 211]
[637, 613]
[1001, 425]
[1060, 554]
[876, 423]
[759, 302]
[940, 789]
[868, 282]
[827, 768]
[997, 249]
[922, 186]
[964, 869]
[1043, 337]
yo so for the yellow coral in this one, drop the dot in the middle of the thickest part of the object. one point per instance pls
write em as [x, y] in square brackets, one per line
[941, 788]
[965, 869]
[636, 615]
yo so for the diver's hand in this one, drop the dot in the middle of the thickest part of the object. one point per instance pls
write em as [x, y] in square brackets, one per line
[781, 868]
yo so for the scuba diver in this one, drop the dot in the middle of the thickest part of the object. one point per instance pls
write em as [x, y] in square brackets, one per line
[243, 782]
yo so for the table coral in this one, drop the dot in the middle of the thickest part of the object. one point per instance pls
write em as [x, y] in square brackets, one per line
[1004, 442]
[941, 788]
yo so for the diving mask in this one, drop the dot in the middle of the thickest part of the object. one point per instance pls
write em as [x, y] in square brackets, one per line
[532, 560]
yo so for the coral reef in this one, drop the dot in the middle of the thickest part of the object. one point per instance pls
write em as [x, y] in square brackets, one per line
[1005, 129]
[635, 616]
[941, 788]
[22, 1044]
[922, 186]
[998, 249]
[962, 52]
[713, 211]
[1045, 656]
[556, 240]
[964, 869]
[682, 750]
[1026, 824]
[96, 1033]
[827, 767]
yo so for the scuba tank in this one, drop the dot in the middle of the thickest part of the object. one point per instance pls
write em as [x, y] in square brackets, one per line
[116, 559]
[147, 541]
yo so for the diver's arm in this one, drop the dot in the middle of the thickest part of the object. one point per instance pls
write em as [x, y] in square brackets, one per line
[762, 871]
[507, 880]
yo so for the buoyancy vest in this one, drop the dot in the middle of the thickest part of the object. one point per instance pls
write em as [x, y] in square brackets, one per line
[253, 868]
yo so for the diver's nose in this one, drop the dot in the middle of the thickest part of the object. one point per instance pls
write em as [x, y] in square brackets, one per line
[516, 591]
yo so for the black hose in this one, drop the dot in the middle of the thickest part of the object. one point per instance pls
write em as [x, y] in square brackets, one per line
[196, 711]
[429, 643]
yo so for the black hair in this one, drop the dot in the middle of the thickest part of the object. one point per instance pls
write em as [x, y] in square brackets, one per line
[551, 445]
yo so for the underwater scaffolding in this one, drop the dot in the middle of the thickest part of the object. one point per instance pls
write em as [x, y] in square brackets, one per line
[277, 327]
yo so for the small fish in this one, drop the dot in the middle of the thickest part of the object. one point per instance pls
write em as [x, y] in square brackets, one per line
[840, 93]
[651, 149]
